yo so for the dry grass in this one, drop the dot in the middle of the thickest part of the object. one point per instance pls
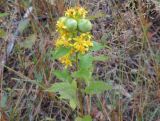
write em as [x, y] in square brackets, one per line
[130, 30]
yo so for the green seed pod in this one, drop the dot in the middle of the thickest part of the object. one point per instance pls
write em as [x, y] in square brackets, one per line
[84, 25]
[71, 24]
[63, 19]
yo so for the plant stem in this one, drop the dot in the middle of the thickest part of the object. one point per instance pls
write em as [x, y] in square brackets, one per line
[88, 104]
[76, 61]
[79, 92]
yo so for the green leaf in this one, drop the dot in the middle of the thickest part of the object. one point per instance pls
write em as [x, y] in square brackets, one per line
[28, 42]
[83, 74]
[157, 57]
[61, 86]
[97, 87]
[97, 46]
[3, 14]
[63, 75]
[85, 67]
[85, 118]
[2, 33]
[85, 61]
[101, 58]
[59, 52]
[25, 3]
[97, 15]
[23, 25]
[66, 91]
[38, 76]
[3, 101]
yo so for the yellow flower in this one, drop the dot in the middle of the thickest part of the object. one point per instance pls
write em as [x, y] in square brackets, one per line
[61, 28]
[60, 25]
[88, 43]
[80, 47]
[76, 12]
[63, 41]
[65, 60]
[81, 12]
[82, 43]
[70, 13]
[86, 36]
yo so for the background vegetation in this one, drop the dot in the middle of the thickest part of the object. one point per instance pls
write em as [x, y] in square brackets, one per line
[130, 30]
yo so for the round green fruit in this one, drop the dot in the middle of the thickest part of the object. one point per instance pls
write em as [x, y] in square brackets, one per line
[63, 19]
[71, 24]
[84, 25]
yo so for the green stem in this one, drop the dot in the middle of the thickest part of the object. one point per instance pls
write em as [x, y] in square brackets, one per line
[79, 92]
[76, 61]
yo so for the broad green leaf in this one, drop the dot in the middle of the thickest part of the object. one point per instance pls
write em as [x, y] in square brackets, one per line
[59, 52]
[28, 42]
[61, 86]
[63, 75]
[79, 119]
[23, 25]
[97, 46]
[85, 67]
[3, 14]
[85, 61]
[83, 74]
[100, 58]
[66, 91]
[2, 33]
[97, 87]
[85, 118]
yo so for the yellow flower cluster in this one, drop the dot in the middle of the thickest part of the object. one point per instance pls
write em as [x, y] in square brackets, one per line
[66, 60]
[63, 41]
[76, 12]
[82, 43]
[77, 42]
[61, 28]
